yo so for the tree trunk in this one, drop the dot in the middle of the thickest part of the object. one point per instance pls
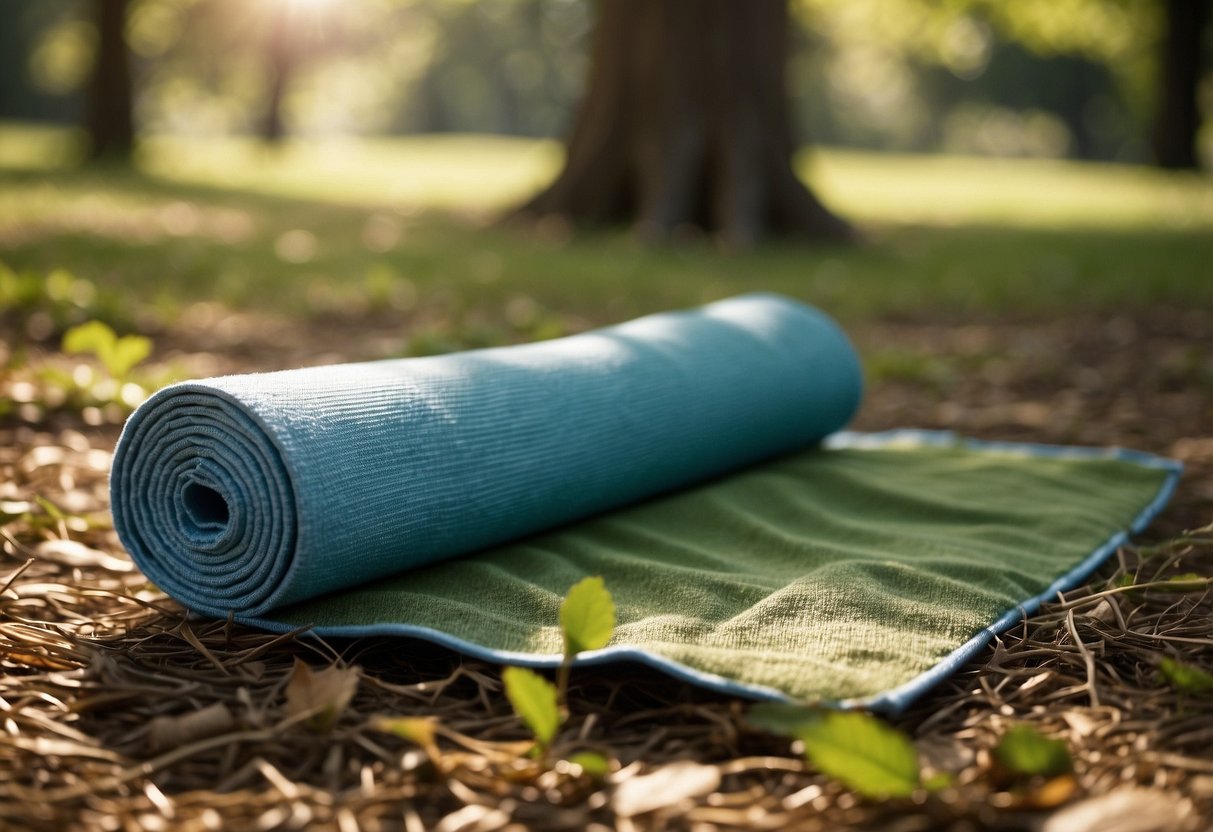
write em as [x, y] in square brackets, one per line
[280, 60]
[109, 119]
[1178, 120]
[685, 124]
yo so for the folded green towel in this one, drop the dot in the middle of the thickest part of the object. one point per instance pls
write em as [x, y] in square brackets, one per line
[344, 497]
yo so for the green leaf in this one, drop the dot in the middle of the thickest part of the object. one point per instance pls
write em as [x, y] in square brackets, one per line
[1025, 751]
[587, 616]
[592, 763]
[93, 338]
[534, 700]
[938, 781]
[128, 351]
[1185, 677]
[117, 355]
[781, 718]
[862, 752]
[855, 748]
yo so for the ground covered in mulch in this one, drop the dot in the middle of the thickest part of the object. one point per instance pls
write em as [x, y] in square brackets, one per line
[120, 713]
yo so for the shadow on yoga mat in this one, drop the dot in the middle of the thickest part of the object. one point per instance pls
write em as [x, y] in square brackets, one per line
[457, 498]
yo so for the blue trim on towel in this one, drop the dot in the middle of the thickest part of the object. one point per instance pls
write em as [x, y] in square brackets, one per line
[899, 698]
[891, 701]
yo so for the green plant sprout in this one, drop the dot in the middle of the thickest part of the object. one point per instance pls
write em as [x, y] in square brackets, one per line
[1025, 752]
[855, 748]
[103, 389]
[1185, 678]
[587, 620]
[534, 700]
[117, 355]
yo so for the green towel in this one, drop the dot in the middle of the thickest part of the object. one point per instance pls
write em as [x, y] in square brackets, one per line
[860, 573]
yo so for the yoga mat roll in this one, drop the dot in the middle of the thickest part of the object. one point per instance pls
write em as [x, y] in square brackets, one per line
[245, 493]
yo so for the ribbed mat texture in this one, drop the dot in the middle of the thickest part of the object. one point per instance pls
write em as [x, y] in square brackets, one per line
[848, 572]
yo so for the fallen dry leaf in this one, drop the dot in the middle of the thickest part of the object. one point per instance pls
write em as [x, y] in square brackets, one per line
[321, 695]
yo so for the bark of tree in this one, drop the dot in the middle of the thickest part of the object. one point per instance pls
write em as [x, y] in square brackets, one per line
[280, 61]
[685, 123]
[1178, 119]
[109, 117]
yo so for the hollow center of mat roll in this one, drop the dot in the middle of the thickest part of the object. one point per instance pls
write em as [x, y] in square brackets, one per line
[205, 507]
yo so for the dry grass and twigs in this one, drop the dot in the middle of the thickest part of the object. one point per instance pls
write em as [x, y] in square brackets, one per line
[119, 712]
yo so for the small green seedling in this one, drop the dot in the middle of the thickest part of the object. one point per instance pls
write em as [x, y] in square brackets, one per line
[534, 700]
[1185, 678]
[1025, 752]
[118, 355]
[587, 616]
[587, 619]
[860, 751]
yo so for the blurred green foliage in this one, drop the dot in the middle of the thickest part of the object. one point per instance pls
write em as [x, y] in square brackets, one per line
[117, 354]
[1032, 78]
[104, 387]
[44, 304]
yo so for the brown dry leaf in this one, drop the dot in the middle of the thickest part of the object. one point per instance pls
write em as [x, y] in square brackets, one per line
[170, 731]
[320, 694]
[664, 787]
[1126, 810]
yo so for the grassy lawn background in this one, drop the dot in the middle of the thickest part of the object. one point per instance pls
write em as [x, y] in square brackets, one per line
[400, 225]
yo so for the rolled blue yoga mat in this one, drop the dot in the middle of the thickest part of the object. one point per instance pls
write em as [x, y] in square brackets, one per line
[246, 493]
[436, 498]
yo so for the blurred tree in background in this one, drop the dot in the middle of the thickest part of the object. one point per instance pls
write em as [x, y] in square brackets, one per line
[1178, 122]
[108, 117]
[685, 123]
[1103, 79]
